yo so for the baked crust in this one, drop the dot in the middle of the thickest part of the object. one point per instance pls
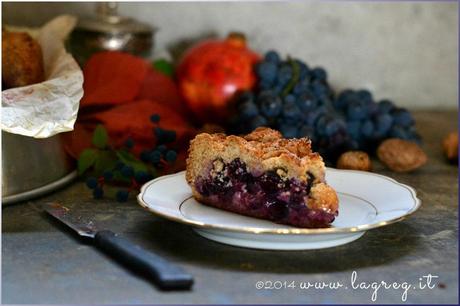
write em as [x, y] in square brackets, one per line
[263, 150]
[22, 60]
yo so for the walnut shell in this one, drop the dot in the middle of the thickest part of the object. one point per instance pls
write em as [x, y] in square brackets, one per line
[354, 160]
[401, 155]
[450, 146]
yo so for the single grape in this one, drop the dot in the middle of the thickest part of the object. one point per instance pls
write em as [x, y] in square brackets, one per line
[306, 102]
[127, 171]
[265, 85]
[171, 156]
[385, 106]
[310, 118]
[291, 110]
[301, 87]
[159, 133]
[372, 108]
[337, 140]
[162, 148]
[267, 71]
[333, 126]
[91, 182]
[364, 95]
[271, 106]
[284, 74]
[367, 128]
[155, 118]
[402, 117]
[343, 99]
[278, 88]
[383, 123]
[354, 129]
[328, 125]
[264, 94]
[155, 156]
[304, 71]
[319, 73]
[272, 56]
[356, 111]
[319, 88]
[248, 110]
[289, 99]
[141, 177]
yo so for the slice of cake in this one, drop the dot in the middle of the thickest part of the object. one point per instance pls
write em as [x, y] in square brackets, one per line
[262, 175]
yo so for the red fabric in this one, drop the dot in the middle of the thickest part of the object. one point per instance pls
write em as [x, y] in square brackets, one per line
[126, 91]
[159, 87]
[112, 78]
[133, 120]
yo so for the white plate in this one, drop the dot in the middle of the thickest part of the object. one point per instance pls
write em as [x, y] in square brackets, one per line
[366, 200]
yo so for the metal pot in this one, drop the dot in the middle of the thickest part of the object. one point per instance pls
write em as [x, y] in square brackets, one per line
[32, 167]
[109, 31]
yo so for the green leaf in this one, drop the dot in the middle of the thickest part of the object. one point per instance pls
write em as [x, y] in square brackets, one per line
[164, 67]
[106, 160]
[100, 137]
[130, 160]
[117, 176]
[295, 77]
[86, 160]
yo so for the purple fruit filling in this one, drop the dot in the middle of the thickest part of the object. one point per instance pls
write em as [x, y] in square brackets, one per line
[230, 186]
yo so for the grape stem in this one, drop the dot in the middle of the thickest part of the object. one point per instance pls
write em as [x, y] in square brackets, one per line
[295, 77]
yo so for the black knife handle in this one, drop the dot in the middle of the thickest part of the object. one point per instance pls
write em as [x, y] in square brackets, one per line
[165, 274]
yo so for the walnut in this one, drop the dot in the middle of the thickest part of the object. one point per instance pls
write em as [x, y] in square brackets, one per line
[450, 146]
[401, 155]
[355, 160]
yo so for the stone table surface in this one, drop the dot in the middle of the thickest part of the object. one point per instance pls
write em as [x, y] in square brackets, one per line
[43, 262]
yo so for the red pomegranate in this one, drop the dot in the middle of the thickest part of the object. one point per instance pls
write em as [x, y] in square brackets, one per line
[212, 71]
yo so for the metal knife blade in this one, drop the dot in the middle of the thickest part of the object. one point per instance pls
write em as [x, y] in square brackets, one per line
[164, 273]
[84, 228]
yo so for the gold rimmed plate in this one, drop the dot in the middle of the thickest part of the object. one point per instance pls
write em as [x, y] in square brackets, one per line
[367, 201]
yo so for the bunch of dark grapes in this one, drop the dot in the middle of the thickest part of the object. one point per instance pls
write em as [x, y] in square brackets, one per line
[294, 99]
[370, 122]
[298, 101]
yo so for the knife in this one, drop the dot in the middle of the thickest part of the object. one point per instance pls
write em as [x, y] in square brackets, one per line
[164, 274]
